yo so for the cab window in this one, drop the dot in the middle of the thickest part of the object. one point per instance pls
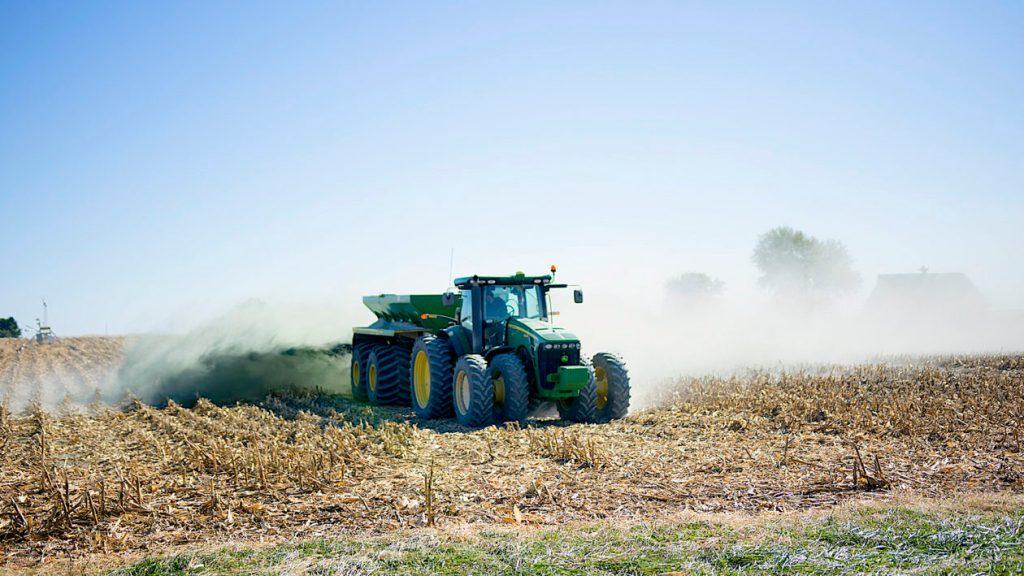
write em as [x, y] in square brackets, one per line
[466, 312]
[532, 302]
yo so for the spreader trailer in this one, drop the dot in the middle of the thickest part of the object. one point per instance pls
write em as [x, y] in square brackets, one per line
[486, 354]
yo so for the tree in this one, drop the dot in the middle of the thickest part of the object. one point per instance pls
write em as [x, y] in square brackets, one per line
[9, 328]
[695, 287]
[795, 264]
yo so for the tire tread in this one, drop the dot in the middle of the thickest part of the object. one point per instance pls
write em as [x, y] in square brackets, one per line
[481, 395]
[517, 388]
[439, 358]
[584, 408]
[392, 363]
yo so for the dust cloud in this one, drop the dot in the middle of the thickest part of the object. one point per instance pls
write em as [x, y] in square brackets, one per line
[664, 339]
[249, 352]
[256, 349]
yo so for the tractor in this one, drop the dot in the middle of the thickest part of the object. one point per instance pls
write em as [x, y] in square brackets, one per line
[487, 353]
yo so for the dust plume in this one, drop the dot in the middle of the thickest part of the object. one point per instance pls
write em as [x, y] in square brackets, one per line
[60, 376]
[243, 355]
[666, 338]
[693, 327]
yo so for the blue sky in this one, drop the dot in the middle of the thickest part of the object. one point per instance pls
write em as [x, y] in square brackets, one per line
[159, 161]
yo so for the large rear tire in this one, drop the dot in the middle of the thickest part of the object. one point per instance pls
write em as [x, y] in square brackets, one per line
[606, 395]
[430, 378]
[511, 388]
[474, 392]
[387, 375]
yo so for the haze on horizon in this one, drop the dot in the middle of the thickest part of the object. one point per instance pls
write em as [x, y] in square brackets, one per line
[162, 163]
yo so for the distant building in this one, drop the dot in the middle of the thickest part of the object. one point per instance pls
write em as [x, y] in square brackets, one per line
[44, 335]
[949, 295]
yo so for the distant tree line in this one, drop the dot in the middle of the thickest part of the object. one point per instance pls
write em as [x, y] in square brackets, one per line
[793, 265]
[9, 328]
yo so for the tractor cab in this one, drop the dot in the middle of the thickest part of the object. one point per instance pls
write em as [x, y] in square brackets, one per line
[512, 314]
[492, 305]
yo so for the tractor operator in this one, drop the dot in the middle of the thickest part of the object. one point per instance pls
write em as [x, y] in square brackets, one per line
[495, 306]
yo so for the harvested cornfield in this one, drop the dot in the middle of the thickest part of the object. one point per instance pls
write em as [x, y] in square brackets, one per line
[71, 370]
[121, 480]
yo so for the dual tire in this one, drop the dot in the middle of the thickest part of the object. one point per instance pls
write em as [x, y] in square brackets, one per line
[606, 395]
[379, 373]
[387, 376]
[511, 388]
[476, 392]
[430, 378]
[490, 393]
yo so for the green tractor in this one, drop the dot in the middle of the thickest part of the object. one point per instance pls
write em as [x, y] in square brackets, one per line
[488, 353]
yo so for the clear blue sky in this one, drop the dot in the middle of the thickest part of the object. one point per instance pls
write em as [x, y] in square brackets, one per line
[165, 159]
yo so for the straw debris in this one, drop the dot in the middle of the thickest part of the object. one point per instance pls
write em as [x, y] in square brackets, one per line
[111, 480]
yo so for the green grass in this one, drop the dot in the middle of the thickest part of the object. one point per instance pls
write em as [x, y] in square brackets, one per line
[866, 541]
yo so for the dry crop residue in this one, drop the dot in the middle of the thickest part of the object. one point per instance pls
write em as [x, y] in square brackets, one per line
[69, 370]
[111, 481]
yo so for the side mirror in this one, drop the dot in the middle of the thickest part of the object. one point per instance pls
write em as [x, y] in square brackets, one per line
[448, 299]
[577, 296]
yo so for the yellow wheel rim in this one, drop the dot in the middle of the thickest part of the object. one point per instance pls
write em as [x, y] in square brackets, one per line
[602, 387]
[355, 375]
[499, 389]
[462, 392]
[372, 380]
[421, 379]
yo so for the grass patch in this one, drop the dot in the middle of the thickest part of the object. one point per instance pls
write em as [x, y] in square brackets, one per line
[868, 540]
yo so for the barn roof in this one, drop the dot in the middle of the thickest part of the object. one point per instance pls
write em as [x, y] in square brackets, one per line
[926, 290]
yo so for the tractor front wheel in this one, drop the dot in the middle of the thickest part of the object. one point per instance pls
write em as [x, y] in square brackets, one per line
[511, 388]
[606, 395]
[430, 378]
[473, 391]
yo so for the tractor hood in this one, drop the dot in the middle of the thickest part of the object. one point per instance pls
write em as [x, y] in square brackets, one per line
[554, 355]
[541, 331]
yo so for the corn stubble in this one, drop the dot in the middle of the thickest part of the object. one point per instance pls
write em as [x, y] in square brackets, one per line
[118, 480]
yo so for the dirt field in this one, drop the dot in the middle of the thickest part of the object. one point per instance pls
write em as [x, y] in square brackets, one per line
[80, 482]
[70, 371]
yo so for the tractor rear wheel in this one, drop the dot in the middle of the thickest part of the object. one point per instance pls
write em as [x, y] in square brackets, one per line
[430, 378]
[606, 395]
[387, 371]
[357, 371]
[511, 388]
[474, 392]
